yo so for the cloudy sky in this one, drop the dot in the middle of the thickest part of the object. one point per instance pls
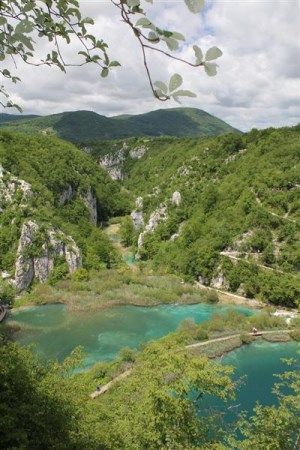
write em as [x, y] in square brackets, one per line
[258, 77]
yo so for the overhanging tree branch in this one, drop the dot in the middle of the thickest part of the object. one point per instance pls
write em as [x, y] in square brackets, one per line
[22, 23]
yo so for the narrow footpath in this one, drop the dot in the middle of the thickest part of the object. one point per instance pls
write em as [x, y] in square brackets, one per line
[197, 344]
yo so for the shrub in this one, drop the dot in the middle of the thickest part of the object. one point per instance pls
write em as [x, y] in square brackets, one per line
[187, 326]
[81, 274]
[212, 297]
[201, 335]
[127, 354]
[246, 338]
[295, 335]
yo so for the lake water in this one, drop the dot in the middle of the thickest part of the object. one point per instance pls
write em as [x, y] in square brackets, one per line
[258, 364]
[57, 331]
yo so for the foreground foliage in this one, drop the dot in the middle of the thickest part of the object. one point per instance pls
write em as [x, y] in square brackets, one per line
[159, 405]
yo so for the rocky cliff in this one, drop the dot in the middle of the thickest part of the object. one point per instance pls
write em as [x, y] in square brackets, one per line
[37, 251]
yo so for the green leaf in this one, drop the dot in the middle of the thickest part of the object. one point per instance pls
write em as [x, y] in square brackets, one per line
[3, 21]
[162, 86]
[114, 64]
[175, 81]
[195, 6]
[210, 69]
[6, 73]
[24, 27]
[183, 93]
[178, 36]
[24, 40]
[153, 37]
[171, 43]
[104, 72]
[29, 5]
[143, 22]
[133, 3]
[88, 20]
[213, 53]
[198, 54]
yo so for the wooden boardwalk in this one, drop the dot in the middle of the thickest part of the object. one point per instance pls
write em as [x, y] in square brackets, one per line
[197, 344]
[226, 338]
[108, 385]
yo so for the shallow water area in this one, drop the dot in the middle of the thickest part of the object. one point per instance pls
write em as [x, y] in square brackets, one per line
[56, 331]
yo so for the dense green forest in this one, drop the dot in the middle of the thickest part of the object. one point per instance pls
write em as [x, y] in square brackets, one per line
[235, 226]
[238, 222]
[86, 126]
[60, 182]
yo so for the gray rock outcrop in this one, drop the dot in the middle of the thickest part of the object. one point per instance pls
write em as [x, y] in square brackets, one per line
[35, 261]
[66, 196]
[138, 153]
[158, 216]
[113, 162]
[90, 201]
[176, 198]
[11, 185]
[137, 215]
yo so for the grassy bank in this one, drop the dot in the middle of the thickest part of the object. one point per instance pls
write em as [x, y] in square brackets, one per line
[115, 287]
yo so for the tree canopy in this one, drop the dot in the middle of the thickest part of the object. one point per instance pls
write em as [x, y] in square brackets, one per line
[24, 23]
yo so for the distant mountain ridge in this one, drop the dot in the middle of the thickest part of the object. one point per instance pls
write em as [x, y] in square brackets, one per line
[84, 126]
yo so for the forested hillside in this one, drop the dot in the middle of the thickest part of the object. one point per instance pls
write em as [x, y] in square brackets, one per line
[224, 210]
[52, 197]
[87, 126]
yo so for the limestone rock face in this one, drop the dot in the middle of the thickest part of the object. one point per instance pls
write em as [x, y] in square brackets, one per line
[34, 262]
[158, 216]
[138, 153]
[139, 202]
[90, 201]
[66, 196]
[219, 281]
[113, 162]
[11, 185]
[137, 219]
[137, 215]
[176, 198]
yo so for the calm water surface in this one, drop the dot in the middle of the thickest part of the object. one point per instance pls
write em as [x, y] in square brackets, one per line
[57, 331]
[258, 363]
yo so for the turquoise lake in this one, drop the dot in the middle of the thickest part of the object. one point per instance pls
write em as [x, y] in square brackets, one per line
[55, 332]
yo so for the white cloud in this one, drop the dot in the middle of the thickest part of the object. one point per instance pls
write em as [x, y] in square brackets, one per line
[257, 83]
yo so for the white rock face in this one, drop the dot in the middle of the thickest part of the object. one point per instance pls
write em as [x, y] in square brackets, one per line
[137, 219]
[138, 153]
[11, 185]
[219, 281]
[176, 198]
[30, 266]
[139, 202]
[90, 201]
[112, 162]
[158, 216]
